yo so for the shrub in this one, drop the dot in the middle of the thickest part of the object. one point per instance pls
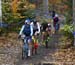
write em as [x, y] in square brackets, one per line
[67, 31]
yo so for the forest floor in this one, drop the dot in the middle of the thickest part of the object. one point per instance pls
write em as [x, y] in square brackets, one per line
[11, 49]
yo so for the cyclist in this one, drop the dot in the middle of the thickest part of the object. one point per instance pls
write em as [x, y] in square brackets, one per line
[56, 22]
[27, 31]
[36, 31]
[45, 35]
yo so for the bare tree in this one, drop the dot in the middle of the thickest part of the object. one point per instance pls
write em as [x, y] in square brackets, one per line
[0, 12]
[45, 6]
[74, 18]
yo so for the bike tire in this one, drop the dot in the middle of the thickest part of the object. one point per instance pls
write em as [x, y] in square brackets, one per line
[22, 54]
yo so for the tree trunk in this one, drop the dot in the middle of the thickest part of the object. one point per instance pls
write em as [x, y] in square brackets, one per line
[37, 7]
[0, 12]
[74, 18]
[45, 7]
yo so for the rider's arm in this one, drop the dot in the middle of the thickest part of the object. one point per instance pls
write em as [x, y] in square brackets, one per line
[38, 27]
[31, 27]
[21, 30]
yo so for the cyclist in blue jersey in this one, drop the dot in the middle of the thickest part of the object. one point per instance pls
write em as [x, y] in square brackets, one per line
[27, 32]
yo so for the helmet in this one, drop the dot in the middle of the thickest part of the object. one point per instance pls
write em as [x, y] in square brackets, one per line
[56, 15]
[27, 21]
[35, 21]
[49, 25]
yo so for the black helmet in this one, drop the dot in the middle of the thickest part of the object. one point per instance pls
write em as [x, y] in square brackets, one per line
[35, 21]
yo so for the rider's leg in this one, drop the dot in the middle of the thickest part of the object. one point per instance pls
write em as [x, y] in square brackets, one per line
[32, 50]
[55, 29]
[43, 37]
[35, 50]
[35, 44]
[46, 42]
[46, 39]
[30, 46]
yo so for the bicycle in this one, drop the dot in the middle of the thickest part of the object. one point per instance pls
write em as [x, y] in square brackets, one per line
[25, 48]
[45, 37]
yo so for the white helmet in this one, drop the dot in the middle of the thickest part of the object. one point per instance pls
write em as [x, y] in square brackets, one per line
[56, 15]
[27, 21]
[49, 24]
